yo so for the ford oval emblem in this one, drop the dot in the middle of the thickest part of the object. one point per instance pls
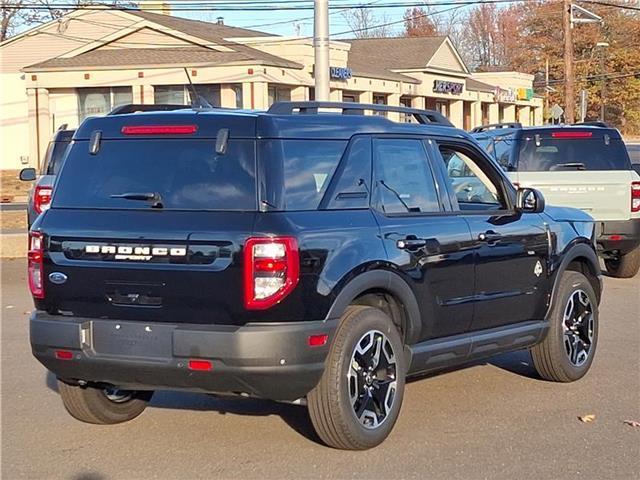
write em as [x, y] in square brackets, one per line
[57, 277]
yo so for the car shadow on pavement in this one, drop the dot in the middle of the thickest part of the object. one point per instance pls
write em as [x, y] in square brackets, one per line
[295, 416]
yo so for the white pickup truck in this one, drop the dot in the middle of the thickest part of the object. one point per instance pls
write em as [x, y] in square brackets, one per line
[582, 166]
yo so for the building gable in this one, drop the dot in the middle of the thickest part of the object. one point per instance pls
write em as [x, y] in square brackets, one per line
[147, 37]
[447, 58]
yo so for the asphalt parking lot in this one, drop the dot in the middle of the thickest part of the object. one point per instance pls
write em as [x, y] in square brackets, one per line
[490, 420]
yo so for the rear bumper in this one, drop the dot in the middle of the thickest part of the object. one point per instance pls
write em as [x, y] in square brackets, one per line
[270, 361]
[620, 236]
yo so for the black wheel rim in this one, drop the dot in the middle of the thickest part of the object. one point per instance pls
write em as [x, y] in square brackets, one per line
[116, 395]
[578, 328]
[371, 379]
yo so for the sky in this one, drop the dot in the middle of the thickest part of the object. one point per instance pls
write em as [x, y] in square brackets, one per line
[293, 20]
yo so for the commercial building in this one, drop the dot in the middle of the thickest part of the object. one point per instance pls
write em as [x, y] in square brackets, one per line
[92, 60]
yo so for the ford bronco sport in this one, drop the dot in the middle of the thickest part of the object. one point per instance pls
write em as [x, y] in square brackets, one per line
[584, 166]
[308, 254]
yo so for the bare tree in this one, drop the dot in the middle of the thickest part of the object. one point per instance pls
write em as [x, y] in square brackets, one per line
[364, 23]
[16, 15]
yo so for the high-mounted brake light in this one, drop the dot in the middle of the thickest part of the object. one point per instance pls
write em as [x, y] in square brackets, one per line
[635, 197]
[159, 129]
[271, 271]
[35, 267]
[571, 134]
[42, 199]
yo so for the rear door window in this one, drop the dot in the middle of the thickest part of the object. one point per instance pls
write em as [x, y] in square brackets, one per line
[186, 175]
[404, 181]
[566, 154]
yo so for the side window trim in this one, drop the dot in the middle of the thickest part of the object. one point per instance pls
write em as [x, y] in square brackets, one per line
[503, 183]
[337, 175]
[428, 160]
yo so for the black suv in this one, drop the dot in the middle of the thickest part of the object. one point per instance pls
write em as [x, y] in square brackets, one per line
[300, 256]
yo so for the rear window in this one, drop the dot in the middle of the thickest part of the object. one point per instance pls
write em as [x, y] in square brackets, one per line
[566, 154]
[186, 175]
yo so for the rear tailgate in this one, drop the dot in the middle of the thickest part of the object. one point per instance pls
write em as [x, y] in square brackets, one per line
[605, 195]
[147, 265]
[585, 168]
[149, 225]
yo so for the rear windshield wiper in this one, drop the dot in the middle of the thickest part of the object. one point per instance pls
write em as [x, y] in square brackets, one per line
[150, 197]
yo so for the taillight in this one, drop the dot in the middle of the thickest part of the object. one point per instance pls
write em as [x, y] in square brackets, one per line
[42, 199]
[35, 270]
[635, 196]
[271, 271]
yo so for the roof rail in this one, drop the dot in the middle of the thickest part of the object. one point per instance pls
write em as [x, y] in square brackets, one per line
[494, 126]
[140, 107]
[352, 108]
[593, 124]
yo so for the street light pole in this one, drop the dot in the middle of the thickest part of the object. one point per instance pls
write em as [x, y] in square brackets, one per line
[321, 49]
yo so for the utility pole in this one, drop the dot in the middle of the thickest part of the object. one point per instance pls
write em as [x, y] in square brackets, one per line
[321, 49]
[602, 46]
[569, 92]
[546, 86]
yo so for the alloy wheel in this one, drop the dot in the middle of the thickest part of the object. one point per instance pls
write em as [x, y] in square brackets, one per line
[371, 379]
[578, 328]
[116, 395]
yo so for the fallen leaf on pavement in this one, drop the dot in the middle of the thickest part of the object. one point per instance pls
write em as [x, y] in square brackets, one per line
[632, 423]
[587, 418]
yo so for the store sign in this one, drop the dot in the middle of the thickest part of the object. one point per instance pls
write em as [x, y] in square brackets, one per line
[340, 73]
[443, 86]
[506, 95]
[525, 94]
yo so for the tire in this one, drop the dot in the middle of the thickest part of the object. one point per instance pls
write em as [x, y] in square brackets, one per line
[92, 405]
[626, 266]
[560, 357]
[333, 413]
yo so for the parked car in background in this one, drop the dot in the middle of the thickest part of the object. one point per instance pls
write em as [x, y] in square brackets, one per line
[634, 155]
[583, 166]
[40, 194]
[301, 257]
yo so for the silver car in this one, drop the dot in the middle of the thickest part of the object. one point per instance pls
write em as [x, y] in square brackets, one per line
[40, 193]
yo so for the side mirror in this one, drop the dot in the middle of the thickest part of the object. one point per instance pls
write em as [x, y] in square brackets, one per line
[529, 200]
[28, 174]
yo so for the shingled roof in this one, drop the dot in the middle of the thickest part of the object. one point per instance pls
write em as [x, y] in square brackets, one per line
[196, 55]
[477, 86]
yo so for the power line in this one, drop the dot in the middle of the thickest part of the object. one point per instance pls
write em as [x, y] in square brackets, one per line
[615, 5]
[611, 76]
[208, 7]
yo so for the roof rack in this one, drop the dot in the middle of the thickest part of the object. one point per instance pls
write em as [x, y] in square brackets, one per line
[352, 108]
[495, 126]
[593, 124]
[140, 107]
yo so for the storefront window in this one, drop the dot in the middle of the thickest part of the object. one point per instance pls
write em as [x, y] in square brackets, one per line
[237, 89]
[442, 106]
[169, 94]
[406, 102]
[99, 101]
[380, 99]
[181, 94]
[279, 94]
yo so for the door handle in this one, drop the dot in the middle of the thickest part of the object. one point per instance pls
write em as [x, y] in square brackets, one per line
[489, 236]
[411, 243]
